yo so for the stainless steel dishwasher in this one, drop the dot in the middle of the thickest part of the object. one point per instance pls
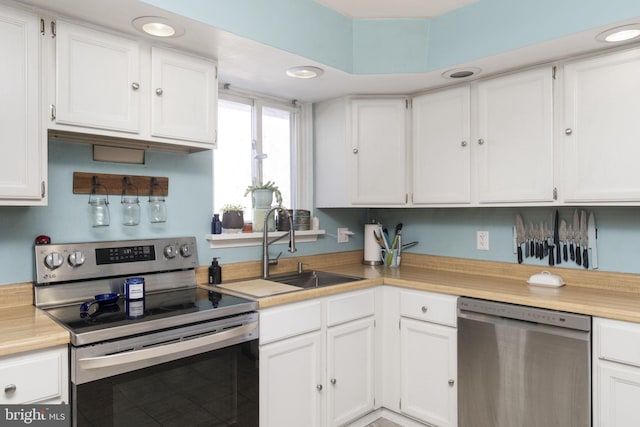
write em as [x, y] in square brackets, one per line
[522, 367]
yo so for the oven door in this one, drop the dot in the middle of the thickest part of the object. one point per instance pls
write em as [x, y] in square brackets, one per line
[205, 374]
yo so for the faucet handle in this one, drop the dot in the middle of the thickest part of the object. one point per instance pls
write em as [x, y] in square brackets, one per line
[274, 261]
[300, 266]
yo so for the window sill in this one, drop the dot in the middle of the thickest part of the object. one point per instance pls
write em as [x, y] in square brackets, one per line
[236, 240]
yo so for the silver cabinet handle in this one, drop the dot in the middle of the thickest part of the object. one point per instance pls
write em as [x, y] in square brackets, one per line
[451, 382]
[463, 143]
[11, 388]
[159, 91]
[568, 131]
[355, 151]
[333, 381]
[319, 387]
[480, 141]
[135, 85]
[425, 309]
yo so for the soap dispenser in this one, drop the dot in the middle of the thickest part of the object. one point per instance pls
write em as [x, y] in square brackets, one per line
[215, 272]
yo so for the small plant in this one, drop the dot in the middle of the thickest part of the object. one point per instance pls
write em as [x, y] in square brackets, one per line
[269, 185]
[232, 207]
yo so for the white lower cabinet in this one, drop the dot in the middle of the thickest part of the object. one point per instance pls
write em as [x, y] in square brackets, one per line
[40, 376]
[616, 373]
[317, 361]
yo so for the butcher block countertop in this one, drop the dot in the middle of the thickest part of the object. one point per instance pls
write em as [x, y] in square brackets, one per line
[613, 295]
[24, 327]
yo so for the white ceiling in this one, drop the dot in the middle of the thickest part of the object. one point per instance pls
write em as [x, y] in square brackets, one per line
[394, 8]
[249, 65]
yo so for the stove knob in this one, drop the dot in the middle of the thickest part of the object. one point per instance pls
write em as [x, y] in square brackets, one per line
[53, 260]
[76, 258]
[170, 251]
[185, 251]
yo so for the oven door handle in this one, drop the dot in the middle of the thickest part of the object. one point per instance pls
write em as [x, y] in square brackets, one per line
[165, 350]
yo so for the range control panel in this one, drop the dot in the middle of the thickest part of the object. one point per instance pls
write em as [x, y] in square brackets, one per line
[96, 260]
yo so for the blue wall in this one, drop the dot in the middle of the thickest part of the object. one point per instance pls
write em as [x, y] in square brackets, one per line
[66, 218]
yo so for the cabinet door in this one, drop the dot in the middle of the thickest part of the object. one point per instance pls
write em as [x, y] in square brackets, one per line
[291, 382]
[378, 149]
[601, 129]
[514, 145]
[97, 79]
[616, 396]
[441, 152]
[428, 358]
[183, 96]
[350, 367]
[22, 149]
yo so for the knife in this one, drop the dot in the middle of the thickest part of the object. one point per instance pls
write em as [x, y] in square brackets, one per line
[519, 236]
[527, 239]
[583, 239]
[592, 237]
[556, 237]
[576, 236]
[532, 240]
[572, 251]
[545, 237]
[563, 239]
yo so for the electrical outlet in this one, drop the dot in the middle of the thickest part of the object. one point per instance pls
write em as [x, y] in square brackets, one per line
[482, 240]
[343, 235]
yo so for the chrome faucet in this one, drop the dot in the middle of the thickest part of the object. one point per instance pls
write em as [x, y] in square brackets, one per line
[265, 240]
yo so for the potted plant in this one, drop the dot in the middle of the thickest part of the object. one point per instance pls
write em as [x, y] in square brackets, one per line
[232, 218]
[262, 194]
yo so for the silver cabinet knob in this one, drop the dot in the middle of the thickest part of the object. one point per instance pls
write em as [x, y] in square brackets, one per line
[319, 387]
[480, 141]
[463, 143]
[333, 381]
[451, 382]
[568, 131]
[355, 151]
[159, 91]
[135, 86]
[11, 388]
[424, 309]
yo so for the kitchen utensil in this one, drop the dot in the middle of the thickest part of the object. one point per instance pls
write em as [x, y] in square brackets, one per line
[592, 236]
[527, 238]
[563, 240]
[546, 279]
[556, 237]
[583, 239]
[576, 236]
[519, 236]
[532, 241]
[408, 245]
[91, 307]
[572, 249]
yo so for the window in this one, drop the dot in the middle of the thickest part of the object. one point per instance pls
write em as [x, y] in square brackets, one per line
[257, 142]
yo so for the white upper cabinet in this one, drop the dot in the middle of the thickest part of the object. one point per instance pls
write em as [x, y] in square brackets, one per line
[441, 149]
[98, 79]
[378, 146]
[184, 96]
[113, 86]
[23, 149]
[514, 154]
[360, 152]
[601, 129]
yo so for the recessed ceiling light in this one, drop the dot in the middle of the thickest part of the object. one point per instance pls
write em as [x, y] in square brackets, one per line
[304, 72]
[461, 73]
[157, 26]
[619, 34]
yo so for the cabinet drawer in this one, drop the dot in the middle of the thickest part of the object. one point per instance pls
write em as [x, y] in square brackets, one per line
[430, 307]
[617, 341]
[351, 306]
[289, 320]
[34, 377]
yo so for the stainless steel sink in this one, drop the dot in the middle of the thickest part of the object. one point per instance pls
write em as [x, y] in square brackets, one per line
[314, 279]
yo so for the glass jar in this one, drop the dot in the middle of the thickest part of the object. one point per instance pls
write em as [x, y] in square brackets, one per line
[130, 210]
[157, 209]
[99, 212]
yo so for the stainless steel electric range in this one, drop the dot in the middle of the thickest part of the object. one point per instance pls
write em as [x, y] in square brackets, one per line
[180, 355]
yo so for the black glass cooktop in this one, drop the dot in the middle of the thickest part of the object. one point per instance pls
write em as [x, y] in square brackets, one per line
[161, 310]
